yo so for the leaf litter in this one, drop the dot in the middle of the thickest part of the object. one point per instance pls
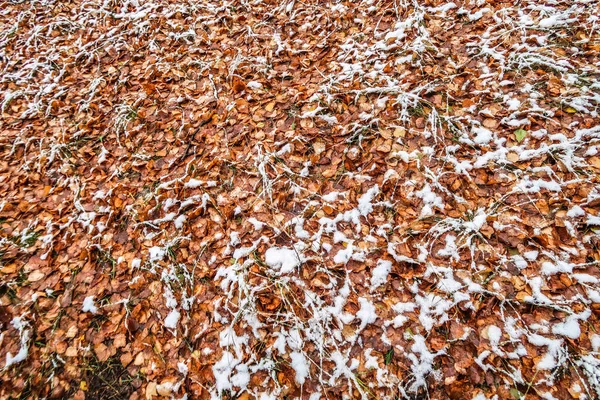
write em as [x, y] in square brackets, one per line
[281, 199]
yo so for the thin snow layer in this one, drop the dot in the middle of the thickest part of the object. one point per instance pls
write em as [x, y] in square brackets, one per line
[343, 233]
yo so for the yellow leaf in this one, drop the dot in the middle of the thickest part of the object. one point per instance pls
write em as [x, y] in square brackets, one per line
[9, 269]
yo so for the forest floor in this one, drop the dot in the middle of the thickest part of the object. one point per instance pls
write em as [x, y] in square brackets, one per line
[299, 199]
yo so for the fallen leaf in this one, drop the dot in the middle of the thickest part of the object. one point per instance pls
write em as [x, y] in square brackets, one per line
[520, 135]
[36, 276]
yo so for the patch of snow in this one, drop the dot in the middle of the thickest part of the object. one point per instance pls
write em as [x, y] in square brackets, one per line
[172, 319]
[282, 259]
[254, 85]
[179, 221]
[365, 205]
[330, 197]
[380, 273]
[89, 306]
[575, 212]
[430, 201]
[482, 135]
[222, 371]
[157, 253]
[300, 366]
[366, 314]
[256, 223]
[19, 324]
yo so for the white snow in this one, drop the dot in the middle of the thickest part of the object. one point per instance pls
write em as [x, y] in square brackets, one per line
[494, 335]
[89, 306]
[550, 21]
[551, 268]
[593, 220]
[365, 205]
[575, 212]
[172, 319]
[254, 85]
[330, 197]
[450, 250]
[157, 253]
[193, 183]
[513, 104]
[366, 314]
[482, 135]
[430, 200]
[478, 14]
[531, 255]
[422, 362]
[282, 259]
[19, 324]
[344, 255]
[241, 377]
[371, 361]
[519, 261]
[595, 340]
[300, 366]
[17, 358]
[432, 309]
[179, 221]
[444, 8]
[256, 223]
[380, 273]
[570, 327]
[222, 371]
[536, 291]
[183, 368]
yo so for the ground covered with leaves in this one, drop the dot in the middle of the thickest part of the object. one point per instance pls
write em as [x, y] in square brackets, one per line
[299, 199]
